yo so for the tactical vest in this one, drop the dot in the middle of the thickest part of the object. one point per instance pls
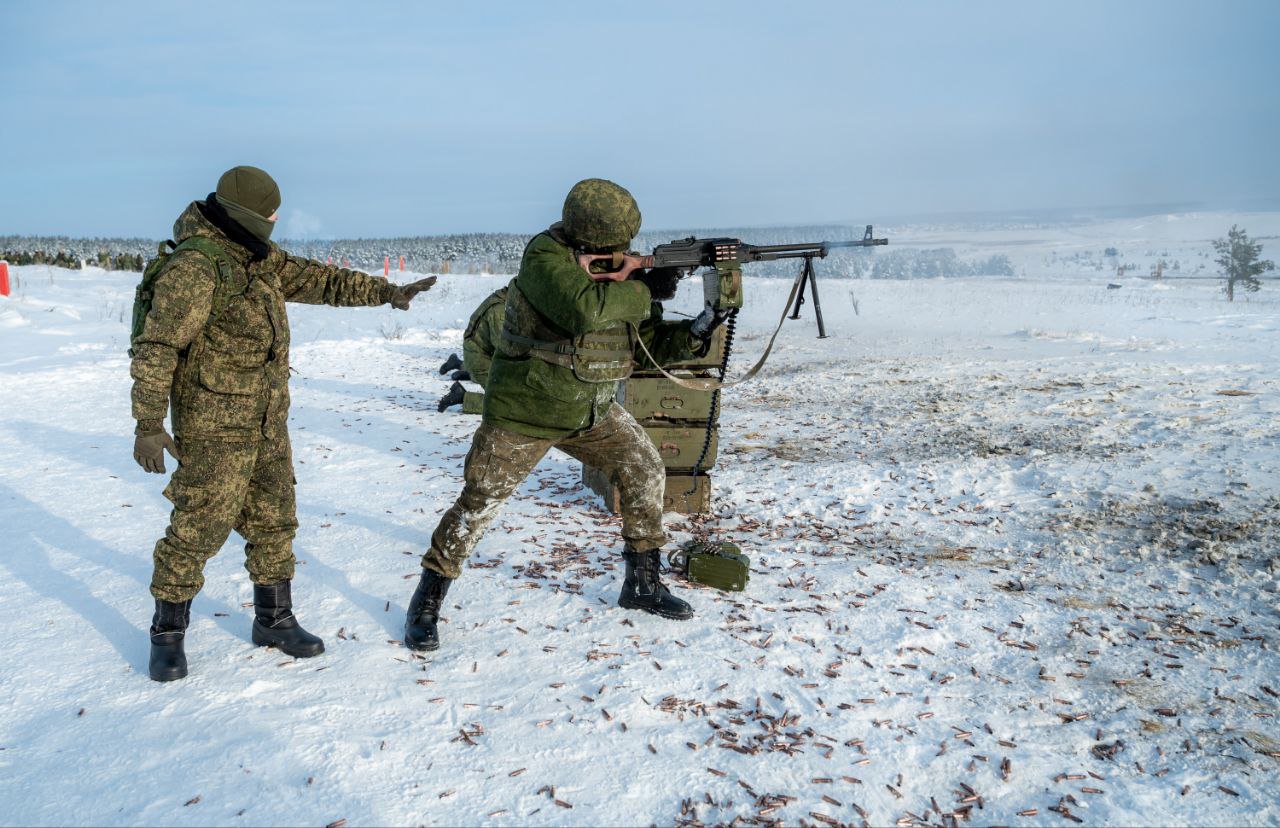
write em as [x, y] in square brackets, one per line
[605, 355]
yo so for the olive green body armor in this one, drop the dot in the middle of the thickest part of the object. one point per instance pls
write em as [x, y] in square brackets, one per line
[603, 355]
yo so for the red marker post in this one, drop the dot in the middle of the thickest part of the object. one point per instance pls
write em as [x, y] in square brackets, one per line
[402, 264]
[4, 278]
[386, 265]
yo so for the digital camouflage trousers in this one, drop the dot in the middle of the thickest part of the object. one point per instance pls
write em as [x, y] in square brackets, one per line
[500, 460]
[220, 486]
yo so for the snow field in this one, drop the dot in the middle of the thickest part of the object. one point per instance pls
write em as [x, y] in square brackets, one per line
[1013, 562]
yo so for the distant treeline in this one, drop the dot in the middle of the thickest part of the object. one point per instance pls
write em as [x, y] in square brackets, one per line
[501, 252]
[63, 258]
[911, 263]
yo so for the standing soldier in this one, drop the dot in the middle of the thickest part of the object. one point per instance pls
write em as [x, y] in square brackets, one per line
[479, 342]
[214, 344]
[566, 342]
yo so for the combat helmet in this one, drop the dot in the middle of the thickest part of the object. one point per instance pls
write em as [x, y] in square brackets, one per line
[600, 215]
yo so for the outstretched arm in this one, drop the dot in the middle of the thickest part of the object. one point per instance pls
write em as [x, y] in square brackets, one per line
[315, 283]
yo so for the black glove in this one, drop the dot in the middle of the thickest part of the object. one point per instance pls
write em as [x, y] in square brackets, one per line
[661, 282]
[403, 294]
[149, 449]
[706, 322]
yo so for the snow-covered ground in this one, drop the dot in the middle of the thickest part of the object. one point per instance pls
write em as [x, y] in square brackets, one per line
[1014, 561]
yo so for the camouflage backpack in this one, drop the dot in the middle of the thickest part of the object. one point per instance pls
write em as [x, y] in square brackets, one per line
[144, 293]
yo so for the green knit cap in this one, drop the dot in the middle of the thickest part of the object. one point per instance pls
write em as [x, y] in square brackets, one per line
[250, 188]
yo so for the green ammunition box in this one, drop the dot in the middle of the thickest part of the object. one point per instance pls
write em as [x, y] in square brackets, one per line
[684, 493]
[687, 494]
[658, 398]
[722, 287]
[718, 564]
[681, 445]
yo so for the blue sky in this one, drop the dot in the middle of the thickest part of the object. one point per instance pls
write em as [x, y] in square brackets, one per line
[419, 118]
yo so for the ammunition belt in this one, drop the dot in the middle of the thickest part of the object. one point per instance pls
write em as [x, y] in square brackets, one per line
[708, 384]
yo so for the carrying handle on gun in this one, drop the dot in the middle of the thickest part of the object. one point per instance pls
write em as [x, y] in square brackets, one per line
[708, 384]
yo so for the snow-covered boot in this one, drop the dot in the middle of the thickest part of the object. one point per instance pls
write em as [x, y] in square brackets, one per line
[420, 631]
[461, 375]
[275, 626]
[168, 629]
[643, 589]
[450, 364]
[455, 396]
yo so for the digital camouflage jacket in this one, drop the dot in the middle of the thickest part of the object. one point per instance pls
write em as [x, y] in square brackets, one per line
[227, 378]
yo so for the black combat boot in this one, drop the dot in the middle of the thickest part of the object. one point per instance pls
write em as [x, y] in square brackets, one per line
[454, 397]
[461, 375]
[168, 629]
[420, 631]
[642, 589]
[451, 363]
[275, 626]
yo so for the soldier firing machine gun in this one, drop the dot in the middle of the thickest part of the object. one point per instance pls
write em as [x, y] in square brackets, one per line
[665, 413]
[689, 254]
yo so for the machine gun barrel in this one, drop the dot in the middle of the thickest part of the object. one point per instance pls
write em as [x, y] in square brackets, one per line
[693, 252]
[771, 252]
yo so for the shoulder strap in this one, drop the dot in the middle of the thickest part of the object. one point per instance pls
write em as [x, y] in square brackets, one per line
[223, 290]
[208, 247]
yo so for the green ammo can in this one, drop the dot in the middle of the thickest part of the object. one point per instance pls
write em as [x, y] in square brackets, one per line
[718, 564]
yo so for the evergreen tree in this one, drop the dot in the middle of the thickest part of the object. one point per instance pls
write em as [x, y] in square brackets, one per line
[1238, 258]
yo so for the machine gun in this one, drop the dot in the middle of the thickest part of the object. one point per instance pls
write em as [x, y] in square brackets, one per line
[722, 293]
[689, 254]
[692, 252]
